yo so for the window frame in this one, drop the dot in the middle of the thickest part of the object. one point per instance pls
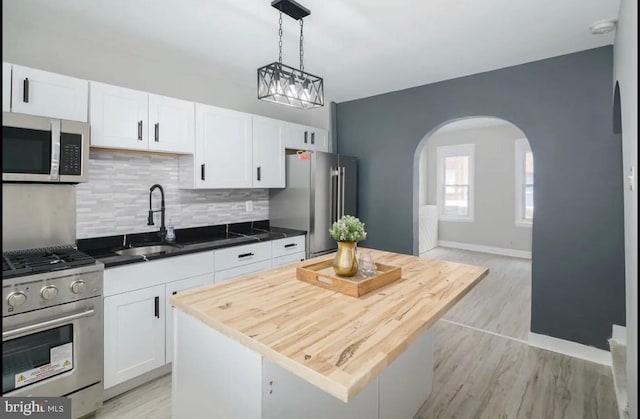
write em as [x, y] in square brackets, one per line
[459, 150]
[521, 148]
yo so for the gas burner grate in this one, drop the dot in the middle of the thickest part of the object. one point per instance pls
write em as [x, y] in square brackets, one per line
[22, 262]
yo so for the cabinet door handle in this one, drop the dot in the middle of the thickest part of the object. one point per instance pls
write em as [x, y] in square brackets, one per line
[313, 138]
[245, 255]
[156, 308]
[306, 134]
[139, 130]
[157, 132]
[258, 173]
[286, 246]
[25, 90]
[202, 171]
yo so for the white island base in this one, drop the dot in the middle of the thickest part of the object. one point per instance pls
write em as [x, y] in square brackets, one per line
[215, 377]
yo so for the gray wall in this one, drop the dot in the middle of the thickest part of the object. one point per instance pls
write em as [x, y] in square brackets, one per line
[625, 69]
[116, 198]
[495, 188]
[563, 105]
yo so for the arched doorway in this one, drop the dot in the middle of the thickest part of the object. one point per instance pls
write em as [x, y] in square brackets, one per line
[475, 177]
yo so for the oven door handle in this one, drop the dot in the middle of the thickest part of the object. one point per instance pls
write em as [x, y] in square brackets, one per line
[48, 324]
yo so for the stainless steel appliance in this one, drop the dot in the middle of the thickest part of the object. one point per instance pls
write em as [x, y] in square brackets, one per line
[321, 188]
[37, 149]
[52, 326]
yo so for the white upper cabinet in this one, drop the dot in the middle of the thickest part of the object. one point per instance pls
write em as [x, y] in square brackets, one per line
[268, 153]
[6, 87]
[171, 124]
[223, 148]
[302, 137]
[320, 140]
[37, 92]
[118, 117]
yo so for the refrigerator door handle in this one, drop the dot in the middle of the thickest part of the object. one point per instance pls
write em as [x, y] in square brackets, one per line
[338, 194]
[332, 196]
[342, 188]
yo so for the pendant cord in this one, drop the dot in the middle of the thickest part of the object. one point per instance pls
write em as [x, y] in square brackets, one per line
[301, 45]
[280, 41]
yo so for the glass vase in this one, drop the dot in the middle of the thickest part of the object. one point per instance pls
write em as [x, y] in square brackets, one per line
[345, 263]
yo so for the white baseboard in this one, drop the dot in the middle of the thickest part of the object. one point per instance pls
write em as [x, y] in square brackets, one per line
[574, 349]
[486, 249]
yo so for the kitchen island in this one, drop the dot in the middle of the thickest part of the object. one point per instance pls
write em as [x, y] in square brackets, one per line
[270, 346]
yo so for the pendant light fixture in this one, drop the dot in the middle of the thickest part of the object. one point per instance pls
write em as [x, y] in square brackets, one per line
[280, 83]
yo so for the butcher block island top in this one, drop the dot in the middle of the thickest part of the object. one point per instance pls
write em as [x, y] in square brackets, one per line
[334, 341]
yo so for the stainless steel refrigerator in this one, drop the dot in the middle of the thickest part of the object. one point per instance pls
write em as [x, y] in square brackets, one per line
[321, 188]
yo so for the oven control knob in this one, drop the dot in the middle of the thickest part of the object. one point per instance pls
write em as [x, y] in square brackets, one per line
[16, 299]
[49, 292]
[78, 287]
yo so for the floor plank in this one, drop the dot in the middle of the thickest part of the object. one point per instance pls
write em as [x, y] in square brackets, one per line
[481, 375]
[501, 302]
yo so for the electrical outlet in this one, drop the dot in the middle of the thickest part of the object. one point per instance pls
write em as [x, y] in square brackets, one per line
[248, 206]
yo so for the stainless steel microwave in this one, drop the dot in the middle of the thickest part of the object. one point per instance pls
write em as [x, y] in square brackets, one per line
[37, 149]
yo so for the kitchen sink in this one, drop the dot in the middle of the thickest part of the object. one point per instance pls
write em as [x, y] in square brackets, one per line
[147, 250]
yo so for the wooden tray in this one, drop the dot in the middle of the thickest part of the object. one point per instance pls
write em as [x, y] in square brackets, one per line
[323, 275]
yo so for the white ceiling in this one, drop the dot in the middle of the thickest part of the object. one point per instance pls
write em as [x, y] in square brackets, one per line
[360, 47]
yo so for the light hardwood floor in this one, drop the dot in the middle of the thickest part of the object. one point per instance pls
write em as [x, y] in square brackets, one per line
[500, 303]
[477, 374]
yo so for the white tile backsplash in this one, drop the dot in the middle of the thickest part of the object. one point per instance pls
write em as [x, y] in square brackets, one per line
[116, 198]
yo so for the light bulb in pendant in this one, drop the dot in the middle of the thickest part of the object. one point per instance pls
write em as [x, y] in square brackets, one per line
[292, 86]
[305, 90]
[276, 85]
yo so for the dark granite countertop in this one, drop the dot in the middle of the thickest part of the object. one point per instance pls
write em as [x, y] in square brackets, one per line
[188, 240]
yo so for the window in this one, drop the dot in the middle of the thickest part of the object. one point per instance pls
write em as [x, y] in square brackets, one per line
[455, 182]
[524, 183]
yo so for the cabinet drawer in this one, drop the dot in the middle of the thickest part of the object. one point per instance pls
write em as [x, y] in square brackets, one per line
[242, 270]
[287, 246]
[233, 257]
[155, 272]
[287, 259]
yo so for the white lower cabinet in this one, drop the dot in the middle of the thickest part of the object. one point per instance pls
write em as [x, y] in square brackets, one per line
[174, 288]
[138, 326]
[138, 316]
[285, 260]
[228, 274]
[134, 334]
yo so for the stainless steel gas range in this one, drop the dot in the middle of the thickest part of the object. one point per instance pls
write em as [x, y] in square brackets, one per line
[52, 327]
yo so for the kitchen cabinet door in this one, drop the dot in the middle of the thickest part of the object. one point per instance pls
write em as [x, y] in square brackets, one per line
[223, 148]
[134, 334]
[297, 137]
[118, 117]
[37, 92]
[6, 87]
[320, 139]
[171, 125]
[303, 137]
[268, 153]
[174, 288]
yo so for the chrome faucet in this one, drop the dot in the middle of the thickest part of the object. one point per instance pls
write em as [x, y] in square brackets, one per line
[163, 230]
